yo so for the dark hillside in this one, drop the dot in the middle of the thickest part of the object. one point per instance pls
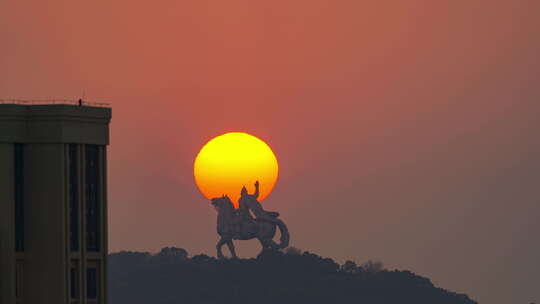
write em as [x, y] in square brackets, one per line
[274, 277]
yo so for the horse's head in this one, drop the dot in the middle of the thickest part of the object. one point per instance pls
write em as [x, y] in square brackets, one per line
[222, 203]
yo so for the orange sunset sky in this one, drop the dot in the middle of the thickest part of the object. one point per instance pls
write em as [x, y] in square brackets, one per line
[406, 131]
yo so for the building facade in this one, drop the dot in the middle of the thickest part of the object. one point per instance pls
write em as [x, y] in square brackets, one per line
[53, 204]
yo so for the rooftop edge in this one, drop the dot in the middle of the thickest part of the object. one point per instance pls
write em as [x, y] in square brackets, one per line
[79, 102]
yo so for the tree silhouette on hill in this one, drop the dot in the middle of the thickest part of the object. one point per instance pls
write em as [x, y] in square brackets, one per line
[273, 277]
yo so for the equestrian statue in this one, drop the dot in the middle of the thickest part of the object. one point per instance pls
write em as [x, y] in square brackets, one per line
[241, 224]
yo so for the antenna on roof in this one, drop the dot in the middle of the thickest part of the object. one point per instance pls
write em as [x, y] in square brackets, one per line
[81, 100]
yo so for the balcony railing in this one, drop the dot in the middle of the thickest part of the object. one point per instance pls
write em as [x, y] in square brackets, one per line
[79, 102]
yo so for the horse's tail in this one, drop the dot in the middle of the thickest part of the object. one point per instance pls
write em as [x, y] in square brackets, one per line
[285, 236]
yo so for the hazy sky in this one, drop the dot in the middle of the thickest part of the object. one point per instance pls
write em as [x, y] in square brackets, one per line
[406, 131]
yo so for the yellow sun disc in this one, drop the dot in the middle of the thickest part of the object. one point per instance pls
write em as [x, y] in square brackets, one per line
[232, 160]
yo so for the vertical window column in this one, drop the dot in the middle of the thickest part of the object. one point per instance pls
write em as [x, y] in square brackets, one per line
[74, 289]
[93, 198]
[19, 280]
[92, 280]
[19, 197]
[74, 230]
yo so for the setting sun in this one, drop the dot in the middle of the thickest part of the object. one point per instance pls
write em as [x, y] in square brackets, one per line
[232, 160]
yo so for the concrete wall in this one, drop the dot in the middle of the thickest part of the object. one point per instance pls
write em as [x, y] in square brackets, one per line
[54, 124]
[45, 257]
[7, 225]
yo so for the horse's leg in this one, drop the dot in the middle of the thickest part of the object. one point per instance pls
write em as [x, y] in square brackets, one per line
[230, 244]
[264, 244]
[267, 231]
[218, 247]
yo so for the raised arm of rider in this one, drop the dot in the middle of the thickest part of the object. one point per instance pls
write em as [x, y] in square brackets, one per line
[256, 194]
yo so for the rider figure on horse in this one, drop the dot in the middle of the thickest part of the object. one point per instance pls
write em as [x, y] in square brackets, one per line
[249, 202]
[240, 224]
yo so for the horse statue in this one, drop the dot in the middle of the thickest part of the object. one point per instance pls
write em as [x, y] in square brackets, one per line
[233, 225]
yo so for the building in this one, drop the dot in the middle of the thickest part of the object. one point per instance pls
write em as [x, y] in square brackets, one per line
[53, 203]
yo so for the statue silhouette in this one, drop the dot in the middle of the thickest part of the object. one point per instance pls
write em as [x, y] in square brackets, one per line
[249, 202]
[241, 225]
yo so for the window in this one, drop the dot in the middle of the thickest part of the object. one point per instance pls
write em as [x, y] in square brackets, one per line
[93, 198]
[74, 280]
[19, 197]
[73, 163]
[19, 279]
[92, 283]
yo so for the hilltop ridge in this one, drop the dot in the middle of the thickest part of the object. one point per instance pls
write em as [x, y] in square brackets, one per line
[172, 276]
